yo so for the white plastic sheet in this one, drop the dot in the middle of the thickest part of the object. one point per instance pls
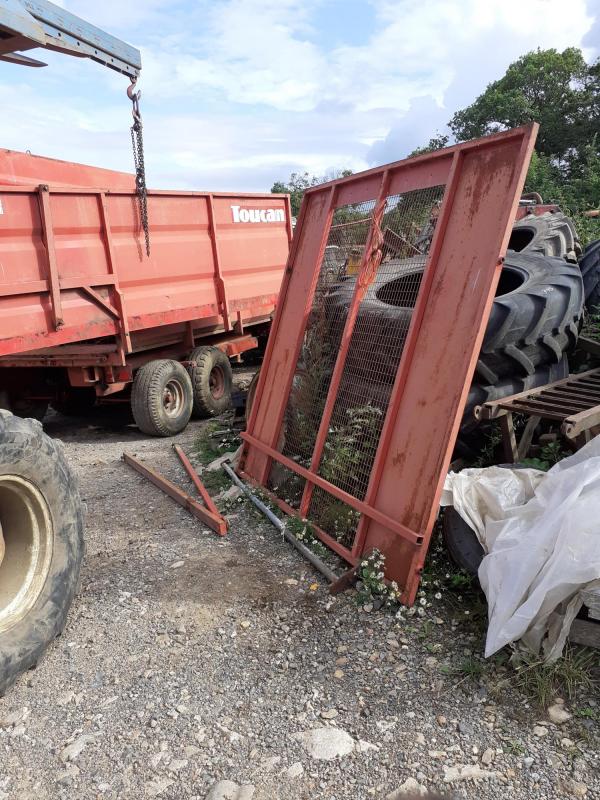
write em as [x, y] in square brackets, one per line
[541, 534]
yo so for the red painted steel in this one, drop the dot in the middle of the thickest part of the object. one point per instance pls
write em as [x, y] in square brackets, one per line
[195, 478]
[482, 183]
[73, 254]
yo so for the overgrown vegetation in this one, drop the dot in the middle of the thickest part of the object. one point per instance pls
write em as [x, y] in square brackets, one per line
[304, 532]
[574, 674]
[299, 182]
[347, 459]
[215, 439]
[549, 455]
[591, 327]
[491, 441]
[561, 92]
[372, 587]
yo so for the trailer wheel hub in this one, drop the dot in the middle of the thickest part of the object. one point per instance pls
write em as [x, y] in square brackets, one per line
[216, 382]
[27, 534]
[173, 398]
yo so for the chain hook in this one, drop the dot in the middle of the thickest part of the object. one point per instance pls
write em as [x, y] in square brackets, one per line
[135, 97]
[138, 158]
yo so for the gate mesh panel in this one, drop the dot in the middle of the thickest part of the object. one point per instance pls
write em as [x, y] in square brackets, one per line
[374, 354]
[343, 252]
[373, 357]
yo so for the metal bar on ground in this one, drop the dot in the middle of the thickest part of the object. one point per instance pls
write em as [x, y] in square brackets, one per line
[274, 519]
[214, 522]
[340, 494]
[202, 491]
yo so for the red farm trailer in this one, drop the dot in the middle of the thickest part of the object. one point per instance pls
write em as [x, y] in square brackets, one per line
[86, 316]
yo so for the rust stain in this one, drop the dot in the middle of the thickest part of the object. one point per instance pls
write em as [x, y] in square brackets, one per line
[399, 459]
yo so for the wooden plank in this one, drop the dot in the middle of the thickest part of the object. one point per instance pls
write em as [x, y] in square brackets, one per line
[526, 437]
[509, 441]
[215, 523]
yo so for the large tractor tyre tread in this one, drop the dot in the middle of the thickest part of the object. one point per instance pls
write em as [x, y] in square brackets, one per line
[534, 319]
[483, 393]
[34, 475]
[461, 541]
[383, 318]
[589, 265]
[162, 398]
[550, 234]
[212, 381]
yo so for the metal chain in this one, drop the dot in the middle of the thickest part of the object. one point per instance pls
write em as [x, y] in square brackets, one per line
[137, 143]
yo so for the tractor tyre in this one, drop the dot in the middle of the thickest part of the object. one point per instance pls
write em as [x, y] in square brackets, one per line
[212, 381]
[41, 543]
[550, 234]
[162, 398]
[589, 265]
[383, 318]
[481, 393]
[461, 541]
[534, 318]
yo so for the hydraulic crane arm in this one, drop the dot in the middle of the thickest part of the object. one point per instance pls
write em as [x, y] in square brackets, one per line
[27, 24]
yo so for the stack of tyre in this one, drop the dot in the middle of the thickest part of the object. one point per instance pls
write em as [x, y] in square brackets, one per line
[534, 322]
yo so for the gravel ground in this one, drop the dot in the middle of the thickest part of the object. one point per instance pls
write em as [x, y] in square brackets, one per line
[190, 659]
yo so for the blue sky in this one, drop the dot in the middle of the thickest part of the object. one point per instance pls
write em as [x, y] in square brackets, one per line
[239, 93]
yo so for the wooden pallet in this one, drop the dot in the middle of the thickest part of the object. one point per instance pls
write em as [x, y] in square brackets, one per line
[572, 402]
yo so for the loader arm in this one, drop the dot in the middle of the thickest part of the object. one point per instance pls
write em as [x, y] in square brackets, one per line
[28, 24]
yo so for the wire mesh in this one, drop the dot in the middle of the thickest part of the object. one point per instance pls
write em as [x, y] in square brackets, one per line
[312, 377]
[374, 354]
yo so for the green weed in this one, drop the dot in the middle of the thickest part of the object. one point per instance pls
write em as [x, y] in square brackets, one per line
[571, 675]
[372, 585]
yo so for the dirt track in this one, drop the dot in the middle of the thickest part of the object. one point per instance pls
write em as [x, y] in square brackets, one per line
[188, 659]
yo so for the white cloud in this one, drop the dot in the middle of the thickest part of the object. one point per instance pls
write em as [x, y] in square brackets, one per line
[238, 93]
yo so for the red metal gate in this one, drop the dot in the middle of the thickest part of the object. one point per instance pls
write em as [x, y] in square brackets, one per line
[381, 315]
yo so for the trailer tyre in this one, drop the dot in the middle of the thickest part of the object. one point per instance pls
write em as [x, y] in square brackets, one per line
[41, 544]
[212, 381]
[161, 398]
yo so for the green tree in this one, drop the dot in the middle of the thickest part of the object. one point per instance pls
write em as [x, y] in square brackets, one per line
[558, 90]
[562, 93]
[299, 182]
[436, 142]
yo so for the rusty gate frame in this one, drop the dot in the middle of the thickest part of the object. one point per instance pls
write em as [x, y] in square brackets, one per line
[483, 180]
